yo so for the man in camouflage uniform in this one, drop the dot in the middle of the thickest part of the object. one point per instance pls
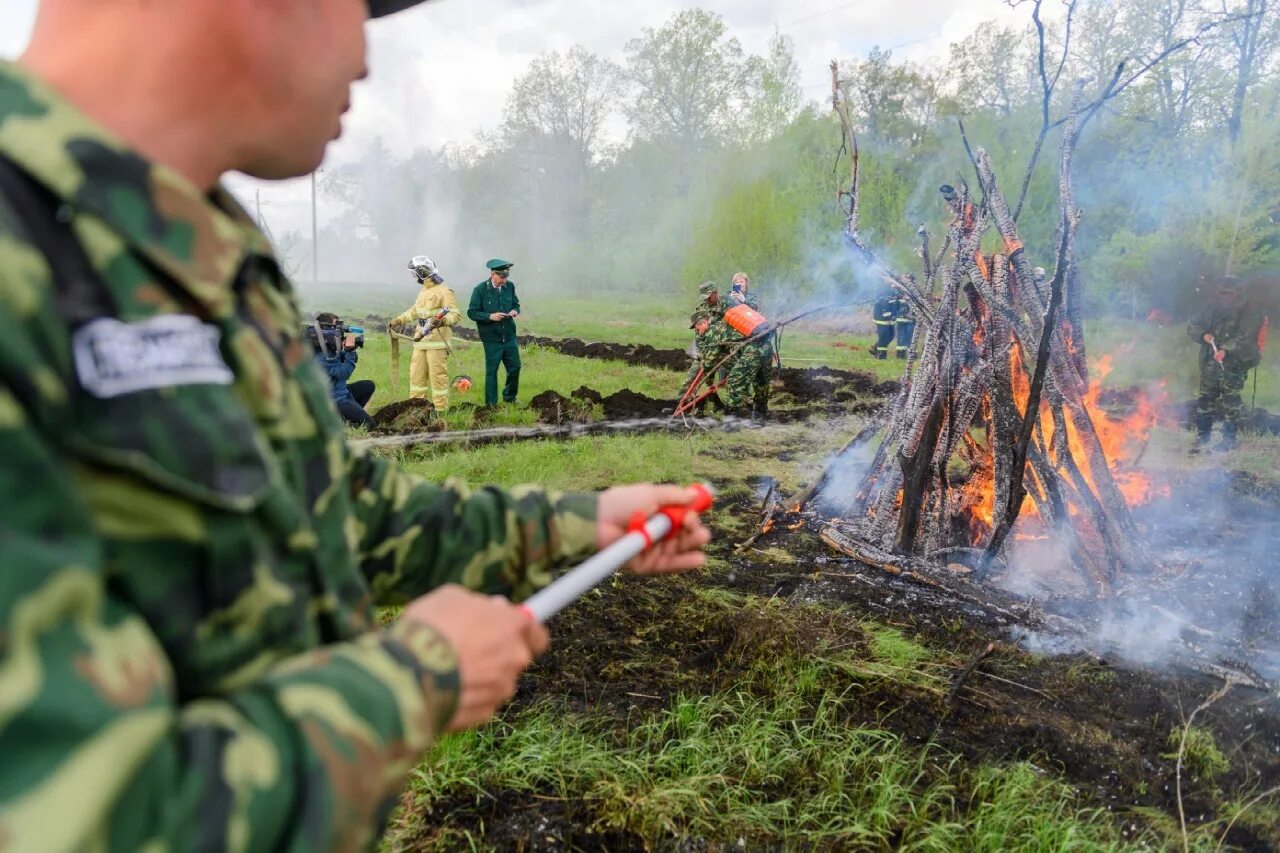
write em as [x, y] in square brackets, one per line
[709, 308]
[1227, 331]
[750, 378]
[755, 363]
[188, 654]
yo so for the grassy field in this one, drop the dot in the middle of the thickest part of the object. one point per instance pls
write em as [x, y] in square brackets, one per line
[711, 713]
[1141, 353]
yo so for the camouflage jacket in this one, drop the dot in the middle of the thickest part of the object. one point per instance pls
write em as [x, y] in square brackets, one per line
[1235, 329]
[718, 342]
[190, 555]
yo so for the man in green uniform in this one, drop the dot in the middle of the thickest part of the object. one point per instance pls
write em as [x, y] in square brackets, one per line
[494, 308]
[1227, 331]
[188, 653]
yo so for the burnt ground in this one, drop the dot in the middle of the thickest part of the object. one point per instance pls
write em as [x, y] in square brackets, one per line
[1086, 711]
[1103, 725]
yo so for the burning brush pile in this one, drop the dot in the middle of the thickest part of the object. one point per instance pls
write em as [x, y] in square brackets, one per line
[995, 450]
[996, 433]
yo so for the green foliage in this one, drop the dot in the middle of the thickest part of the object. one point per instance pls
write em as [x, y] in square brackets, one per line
[1201, 755]
[725, 168]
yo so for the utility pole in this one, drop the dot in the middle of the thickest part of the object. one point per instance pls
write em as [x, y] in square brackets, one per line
[315, 242]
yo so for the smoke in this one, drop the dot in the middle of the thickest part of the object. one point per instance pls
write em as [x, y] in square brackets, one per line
[1209, 595]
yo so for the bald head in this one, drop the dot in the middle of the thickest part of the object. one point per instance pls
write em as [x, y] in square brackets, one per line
[208, 86]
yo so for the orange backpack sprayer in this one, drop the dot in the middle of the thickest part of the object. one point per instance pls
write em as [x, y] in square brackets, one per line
[745, 319]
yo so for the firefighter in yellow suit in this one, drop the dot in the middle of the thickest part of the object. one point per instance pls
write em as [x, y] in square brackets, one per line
[428, 322]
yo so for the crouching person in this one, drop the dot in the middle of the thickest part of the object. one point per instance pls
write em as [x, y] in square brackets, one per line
[335, 352]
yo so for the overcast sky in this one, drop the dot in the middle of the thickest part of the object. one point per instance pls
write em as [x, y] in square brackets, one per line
[442, 71]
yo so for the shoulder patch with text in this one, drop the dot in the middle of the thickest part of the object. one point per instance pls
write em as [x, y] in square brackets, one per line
[114, 358]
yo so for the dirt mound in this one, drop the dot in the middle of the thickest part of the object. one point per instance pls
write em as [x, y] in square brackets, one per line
[374, 323]
[414, 415]
[639, 354]
[554, 408]
[628, 404]
[587, 395]
[830, 387]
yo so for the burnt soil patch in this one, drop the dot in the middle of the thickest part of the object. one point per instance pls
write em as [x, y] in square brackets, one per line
[631, 650]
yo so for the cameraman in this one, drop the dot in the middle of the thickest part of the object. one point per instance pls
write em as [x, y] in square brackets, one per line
[335, 352]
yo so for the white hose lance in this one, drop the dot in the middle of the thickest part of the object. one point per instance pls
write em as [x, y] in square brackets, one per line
[584, 577]
[578, 581]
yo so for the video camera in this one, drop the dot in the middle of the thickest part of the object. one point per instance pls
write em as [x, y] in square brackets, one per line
[334, 332]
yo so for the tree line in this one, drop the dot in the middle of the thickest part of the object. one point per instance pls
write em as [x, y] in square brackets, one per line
[692, 158]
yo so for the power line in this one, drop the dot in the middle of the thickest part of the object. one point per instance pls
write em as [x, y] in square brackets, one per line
[818, 14]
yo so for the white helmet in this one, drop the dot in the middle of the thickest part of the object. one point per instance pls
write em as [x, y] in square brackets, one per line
[424, 268]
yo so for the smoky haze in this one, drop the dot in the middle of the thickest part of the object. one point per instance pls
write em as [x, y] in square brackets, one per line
[664, 148]
[597, 174]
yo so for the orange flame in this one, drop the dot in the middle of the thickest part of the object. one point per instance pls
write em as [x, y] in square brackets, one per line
[1121, 439]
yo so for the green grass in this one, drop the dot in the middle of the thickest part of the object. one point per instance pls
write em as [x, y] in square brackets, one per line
[597, 462]
[1140, 353]
[781, 768]
[657, 321]
[541, 369]
[779, 758]
[1202, 757]
[776, 757]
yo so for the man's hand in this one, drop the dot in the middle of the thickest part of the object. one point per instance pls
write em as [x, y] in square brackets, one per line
[496, 316]
[349, 342]
[513, 313]
[680, 553]
[1219, 355]
[493, 640]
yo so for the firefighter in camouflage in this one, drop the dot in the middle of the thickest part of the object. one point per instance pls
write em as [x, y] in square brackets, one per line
[1227, 330]
[706, 336]
[188, 652]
